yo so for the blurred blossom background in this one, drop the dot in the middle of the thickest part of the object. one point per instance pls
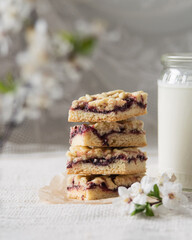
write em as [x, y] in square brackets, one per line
[54, 51]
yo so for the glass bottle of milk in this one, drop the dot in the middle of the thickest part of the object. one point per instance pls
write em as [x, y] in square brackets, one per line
[175, 117]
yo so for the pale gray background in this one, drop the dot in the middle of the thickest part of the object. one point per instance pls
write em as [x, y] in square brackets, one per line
[147, 30]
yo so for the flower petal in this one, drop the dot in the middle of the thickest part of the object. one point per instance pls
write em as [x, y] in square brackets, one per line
[123, 191]
[147, 184]
[166, 202]
[163, 179]
[131, 208]
[170, 203]
[177, 187]
[136, 189]
[140, 199]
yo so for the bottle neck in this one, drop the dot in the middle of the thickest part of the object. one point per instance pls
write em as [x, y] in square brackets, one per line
[177, 69]
[180, 61]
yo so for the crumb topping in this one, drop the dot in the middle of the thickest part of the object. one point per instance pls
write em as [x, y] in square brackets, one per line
[88, 152]
[107, 101]
[107, 127]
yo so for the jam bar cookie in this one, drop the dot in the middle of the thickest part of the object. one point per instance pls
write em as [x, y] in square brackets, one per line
[108, 107]
[86, 160]
[98, 187]
[105, 134]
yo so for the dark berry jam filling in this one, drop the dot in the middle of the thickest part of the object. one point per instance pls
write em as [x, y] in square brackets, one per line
[77, 187]
[129, 102]
[91, 185]
[136, 131]
[102, 185]
[80, 130]
[85, 128]
[104, 138]
[106, 162]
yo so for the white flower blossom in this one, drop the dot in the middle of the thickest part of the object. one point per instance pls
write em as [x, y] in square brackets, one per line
[163, 179]
[147, 184]
[125, 194]
[37, 71]
[5, 42]
[137, 192]
[166, 177]
[136, 189]
[61, 47]
[140, 199]
[13, 13]
[172, 196]
[41, 73]
[129, 197]
[37, 55]
[144, 187]
[152, 196]
[125, 200]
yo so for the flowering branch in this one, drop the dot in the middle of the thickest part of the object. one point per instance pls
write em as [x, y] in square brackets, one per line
[49, 60]
[148, 195]
[153, 200]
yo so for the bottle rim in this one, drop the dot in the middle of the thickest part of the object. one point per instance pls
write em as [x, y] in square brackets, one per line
[176, 59]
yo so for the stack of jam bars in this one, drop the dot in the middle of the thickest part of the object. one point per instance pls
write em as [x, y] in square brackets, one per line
[103, 153]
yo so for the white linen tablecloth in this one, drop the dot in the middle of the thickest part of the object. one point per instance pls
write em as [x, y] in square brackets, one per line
[22, 216]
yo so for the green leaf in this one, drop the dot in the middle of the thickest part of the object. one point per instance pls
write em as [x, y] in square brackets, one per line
[8, 84]
[86, 45]
[158, 204]
[66, 36]
[155, 193]
[149, 212]
[151, 194]
[138, 209]
[80, 45]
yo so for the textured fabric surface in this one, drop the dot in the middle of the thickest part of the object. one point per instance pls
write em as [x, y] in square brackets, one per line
[22, 216]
